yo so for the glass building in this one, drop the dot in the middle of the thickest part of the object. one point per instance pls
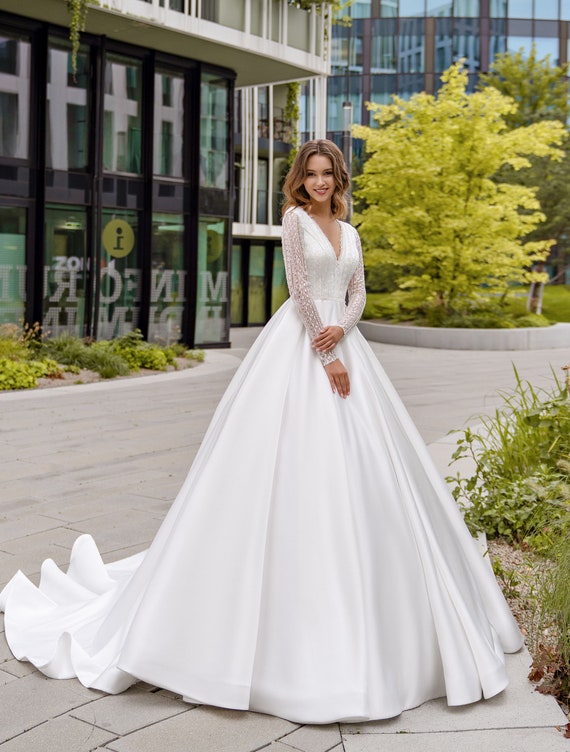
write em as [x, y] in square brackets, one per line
[403, 46]
[117, 198]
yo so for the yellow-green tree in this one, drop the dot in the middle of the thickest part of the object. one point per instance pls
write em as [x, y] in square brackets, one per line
[429, 208]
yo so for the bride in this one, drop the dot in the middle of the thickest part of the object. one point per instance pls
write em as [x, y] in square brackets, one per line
[313, 565]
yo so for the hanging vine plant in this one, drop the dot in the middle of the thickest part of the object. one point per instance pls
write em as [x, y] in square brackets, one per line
[77, 10]
[291, 115]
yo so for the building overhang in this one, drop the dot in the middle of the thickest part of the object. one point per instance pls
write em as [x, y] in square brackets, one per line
[255, 59]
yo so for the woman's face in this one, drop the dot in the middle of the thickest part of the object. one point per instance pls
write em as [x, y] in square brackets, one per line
[319, 179]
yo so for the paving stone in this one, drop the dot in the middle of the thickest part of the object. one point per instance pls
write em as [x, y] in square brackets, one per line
[19, 669]
[5, 677]
[206, 730]
[63, 733]
[513, 740]
[118, 528]
[519, 706]
[33, 523]
[30, 701]
[129, 711]
[314, 738]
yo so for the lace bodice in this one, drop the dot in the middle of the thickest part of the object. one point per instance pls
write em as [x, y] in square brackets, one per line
[314, 272]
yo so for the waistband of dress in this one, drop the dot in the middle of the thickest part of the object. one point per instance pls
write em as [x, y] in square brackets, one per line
[330, 300]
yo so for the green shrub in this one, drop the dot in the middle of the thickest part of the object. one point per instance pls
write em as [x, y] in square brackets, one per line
[197, 355]
[532, 319]
[66, 349]
[102, 358]
[16, 374]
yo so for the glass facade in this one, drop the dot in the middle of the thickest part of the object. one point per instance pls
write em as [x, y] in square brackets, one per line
[402, 46]
[115, 189]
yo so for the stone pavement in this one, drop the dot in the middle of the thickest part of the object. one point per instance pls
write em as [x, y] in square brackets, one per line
[108, 458]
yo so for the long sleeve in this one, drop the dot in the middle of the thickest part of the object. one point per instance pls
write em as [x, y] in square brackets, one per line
[297, 280]
[356, 294]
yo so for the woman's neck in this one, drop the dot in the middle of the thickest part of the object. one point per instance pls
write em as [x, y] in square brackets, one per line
[320, 211]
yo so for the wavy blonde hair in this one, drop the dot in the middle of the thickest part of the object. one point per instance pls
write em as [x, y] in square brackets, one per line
[293, 188]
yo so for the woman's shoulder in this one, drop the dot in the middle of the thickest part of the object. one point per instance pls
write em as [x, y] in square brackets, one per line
[350, 228]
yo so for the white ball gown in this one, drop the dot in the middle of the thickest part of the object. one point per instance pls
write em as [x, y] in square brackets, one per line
[313, 566]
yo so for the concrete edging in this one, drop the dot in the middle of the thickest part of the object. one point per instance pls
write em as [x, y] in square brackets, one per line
[527, 338]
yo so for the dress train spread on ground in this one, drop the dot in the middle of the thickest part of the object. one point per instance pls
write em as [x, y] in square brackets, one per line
[313, 565]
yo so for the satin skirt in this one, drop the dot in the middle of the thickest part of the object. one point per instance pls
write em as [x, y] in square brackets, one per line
[313, 566]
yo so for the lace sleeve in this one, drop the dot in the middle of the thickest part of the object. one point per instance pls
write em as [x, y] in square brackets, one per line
[356, 294]
[297, 280]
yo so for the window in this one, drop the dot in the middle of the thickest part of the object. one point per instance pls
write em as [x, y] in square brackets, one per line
[214, 136]
[122, 141]
[168, 124]
[168, 278]
[14, 96]
[212, 281]
[12, 264]
[67, 132]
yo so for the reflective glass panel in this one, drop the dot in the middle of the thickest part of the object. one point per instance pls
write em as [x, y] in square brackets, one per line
[214, 135]
[119, 295]
[381, 90]
[67, 118]
[411, 46]
[256, 285]
[122, 115]
[466, 8]
[237, 286]
[443, 44]
[498, 8]
[279, 289]
[520, 8]
[336, 95]
[360, 9]
[439, 8]
[514, 44]
[565, 10]
[14, 96]
[546, 47]
[262, 192]
[389, 8]
[412, 8]
[339, 50]
[65, 271]
[466, 42]
[383, 47]
[355, 47]
[168, 124]
[546, 9]
[497, 39]
[12, 264]
[213, 288]
[168, 278]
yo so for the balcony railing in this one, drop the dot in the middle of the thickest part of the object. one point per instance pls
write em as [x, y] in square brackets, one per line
[274, 20]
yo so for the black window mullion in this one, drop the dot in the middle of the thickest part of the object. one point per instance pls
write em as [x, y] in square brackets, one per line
[145, 225]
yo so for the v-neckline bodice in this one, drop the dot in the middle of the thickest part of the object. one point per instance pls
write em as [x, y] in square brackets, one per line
[325, 236]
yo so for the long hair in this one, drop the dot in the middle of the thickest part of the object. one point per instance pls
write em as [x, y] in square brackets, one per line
[293, 188]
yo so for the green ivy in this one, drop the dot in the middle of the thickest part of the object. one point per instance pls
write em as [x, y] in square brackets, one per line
[77, 10]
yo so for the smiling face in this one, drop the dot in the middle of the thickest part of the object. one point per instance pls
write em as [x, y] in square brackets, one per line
[319, 179]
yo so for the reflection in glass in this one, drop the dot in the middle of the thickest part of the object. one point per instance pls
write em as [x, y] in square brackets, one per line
[66, 271]
[520, 8]
[237, 286]
[412, 8]
[547, 46]
[256, 285]
[497, 39]
[565, 10]
[67, 117]
[12, 264]
[466, 8]
[359, 9]
[381, 90]
[443, 44]
[212, 308]
[339, 50]
[168, 124]
[383, 47]
[466, 42]
[411, 46]
[355, 49]
[279, 289]
[120, 273]
[389, 8]
[262, 190]
[167, 278]
[498, 8]
[214, 135]
[14, 96]
[516, 44]
[546, 9]
[122, 115]
[441, 8]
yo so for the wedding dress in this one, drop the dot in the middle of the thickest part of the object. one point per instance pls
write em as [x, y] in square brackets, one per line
[313, 566]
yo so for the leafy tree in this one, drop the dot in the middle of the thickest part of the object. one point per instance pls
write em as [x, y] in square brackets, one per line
[541, 92]
[429, 206]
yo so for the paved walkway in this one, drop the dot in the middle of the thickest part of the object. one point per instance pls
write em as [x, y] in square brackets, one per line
[108, 459]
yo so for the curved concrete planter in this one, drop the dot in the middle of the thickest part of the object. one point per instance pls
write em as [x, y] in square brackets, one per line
[530, 338]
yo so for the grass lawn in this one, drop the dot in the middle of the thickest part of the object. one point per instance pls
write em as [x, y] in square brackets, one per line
[555, 304]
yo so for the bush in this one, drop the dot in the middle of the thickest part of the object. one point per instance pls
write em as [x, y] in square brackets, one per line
[17, 374]
[532, 319]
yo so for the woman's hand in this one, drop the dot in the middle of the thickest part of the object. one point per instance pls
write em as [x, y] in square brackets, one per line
[338, 377]
[328, 338]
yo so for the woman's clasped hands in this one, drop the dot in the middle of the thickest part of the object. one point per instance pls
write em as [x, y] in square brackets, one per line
[337, 374]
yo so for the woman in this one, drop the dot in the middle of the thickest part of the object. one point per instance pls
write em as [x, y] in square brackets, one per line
[314, 565]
